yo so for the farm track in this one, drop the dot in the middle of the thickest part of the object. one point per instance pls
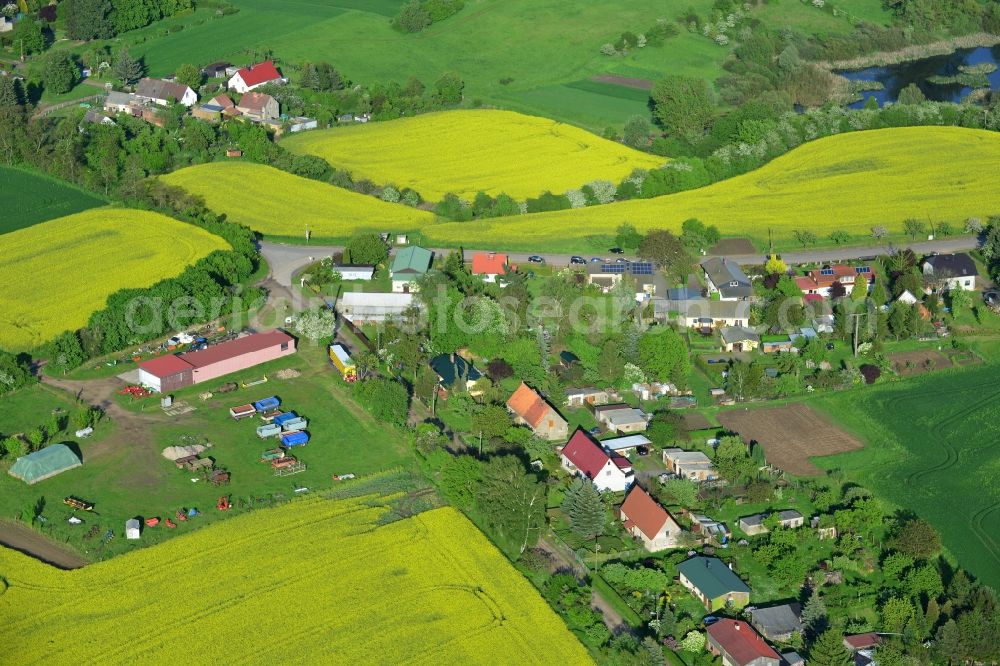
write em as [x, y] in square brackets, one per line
[976, 524]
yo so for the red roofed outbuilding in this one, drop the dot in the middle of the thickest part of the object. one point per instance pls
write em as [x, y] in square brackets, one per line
[587, 458]
[166, 373]
[648, 521]
[489, 265]
[740, 645]
[248, 78]
[529, 408]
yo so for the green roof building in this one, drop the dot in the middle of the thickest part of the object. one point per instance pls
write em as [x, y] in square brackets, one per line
[42, 464]
[715, 584]
[408, 265]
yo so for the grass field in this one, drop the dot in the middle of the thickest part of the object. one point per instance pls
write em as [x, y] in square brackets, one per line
[555, 42]
[57, 273]
[29, 198]
[847, 182]
[125, 475]
[276, 203]
[466, 151]
[931, 447]
[313, 581]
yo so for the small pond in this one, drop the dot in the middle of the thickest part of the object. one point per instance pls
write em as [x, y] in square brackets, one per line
[896, 77]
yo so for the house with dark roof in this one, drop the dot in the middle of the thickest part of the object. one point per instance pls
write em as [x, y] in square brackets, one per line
[738, 644]
[643, 275]
[587, 395]
[726, 278]
[649, 522]
[254, 76]
[215, 70]
[531, 409]
[451, 368]
[165, 93]
[778, 623]
[585, 457]
[951, 270]
[703, 312]
[738, 338]
[621, 418]
[713, 583]
[409, 265]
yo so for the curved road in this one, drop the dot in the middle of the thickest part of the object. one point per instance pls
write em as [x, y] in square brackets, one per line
[284, 259]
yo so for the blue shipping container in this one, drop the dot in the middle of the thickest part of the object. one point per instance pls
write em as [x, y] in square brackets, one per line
[283, 418]
[266, 404]
[295, 438]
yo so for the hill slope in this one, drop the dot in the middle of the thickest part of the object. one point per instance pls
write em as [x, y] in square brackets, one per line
[72, 264]
[277, 203]
[847, 182]
[467, 151]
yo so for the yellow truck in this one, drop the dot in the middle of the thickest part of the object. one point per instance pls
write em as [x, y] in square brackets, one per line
[342, 361]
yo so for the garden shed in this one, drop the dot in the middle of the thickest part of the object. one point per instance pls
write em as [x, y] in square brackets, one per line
[45, 463]
[132, 528]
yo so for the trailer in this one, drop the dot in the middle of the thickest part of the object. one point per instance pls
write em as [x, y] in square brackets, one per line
[295, 438]
[242, 412]
[286, 461]
[268, 430]
[342, 361]
[295, 424]
[271, 455]
[267, 404]
[267, 417]
[284, 418]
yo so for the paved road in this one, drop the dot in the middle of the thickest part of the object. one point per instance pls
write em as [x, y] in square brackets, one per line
[284, 260]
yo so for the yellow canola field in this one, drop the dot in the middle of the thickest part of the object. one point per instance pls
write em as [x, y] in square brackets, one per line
[55, 274]
[312, 582]
[848, 182]
[467, 151]
[277, 203]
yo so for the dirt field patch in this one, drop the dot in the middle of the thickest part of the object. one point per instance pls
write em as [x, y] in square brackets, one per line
[641, 84]
[790, 435]
[30, 542]
[696, 421]
[917, 362]
[733, 246]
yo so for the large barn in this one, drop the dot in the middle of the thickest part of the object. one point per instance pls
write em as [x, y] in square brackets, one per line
[168, 373]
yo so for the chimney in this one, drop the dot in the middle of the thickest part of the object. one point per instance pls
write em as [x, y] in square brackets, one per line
[736, 625]
[453, 358]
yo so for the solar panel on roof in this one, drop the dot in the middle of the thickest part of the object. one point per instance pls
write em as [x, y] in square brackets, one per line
[864, 269]
[826, 271]
[642, 268]
[613, 268]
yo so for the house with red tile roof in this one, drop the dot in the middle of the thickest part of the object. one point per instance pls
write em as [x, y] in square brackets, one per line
[248, 78]
[648, 521]
[819, 281]
[585, 457]
[855, 642]
[740, 645]
[258, 106]
[489, 265]
[530, 409]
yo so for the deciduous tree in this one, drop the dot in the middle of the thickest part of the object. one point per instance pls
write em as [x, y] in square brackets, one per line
[683, 105]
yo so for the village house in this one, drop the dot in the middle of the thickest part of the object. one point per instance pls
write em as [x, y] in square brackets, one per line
[579, 397]
[247, 78]
[489, 266]
[408, 266]
[691, 465]
[778, 623]
[775, 346]
[452, 368]
[529, 408]
[713, 583]
[819, 281]
[738, 339]
[582, 456]
[216, 70]
[788, 519]
[727, 279]
[649, 522]
[951, 270]
[97, 116]
[709, 528]
[214, 109]
[369, 307]
[642, 274]
[165, 93]
[703, 313]
[738, 644]
[621, 418]
[258, 106]
[627, 444]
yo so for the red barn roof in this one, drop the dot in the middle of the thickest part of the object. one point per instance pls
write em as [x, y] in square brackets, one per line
[643, 512]
[165, 366]
[861, 641]
[586, 454]
[740, 641]
[489, 264]
[256, 74]
[238, 347]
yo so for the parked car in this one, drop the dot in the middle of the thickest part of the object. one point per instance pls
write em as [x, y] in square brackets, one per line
[616, 250]
[535, 259]
[622, 260]
[642, 450]
[577, 260]
[595, 431]
[596, 260]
